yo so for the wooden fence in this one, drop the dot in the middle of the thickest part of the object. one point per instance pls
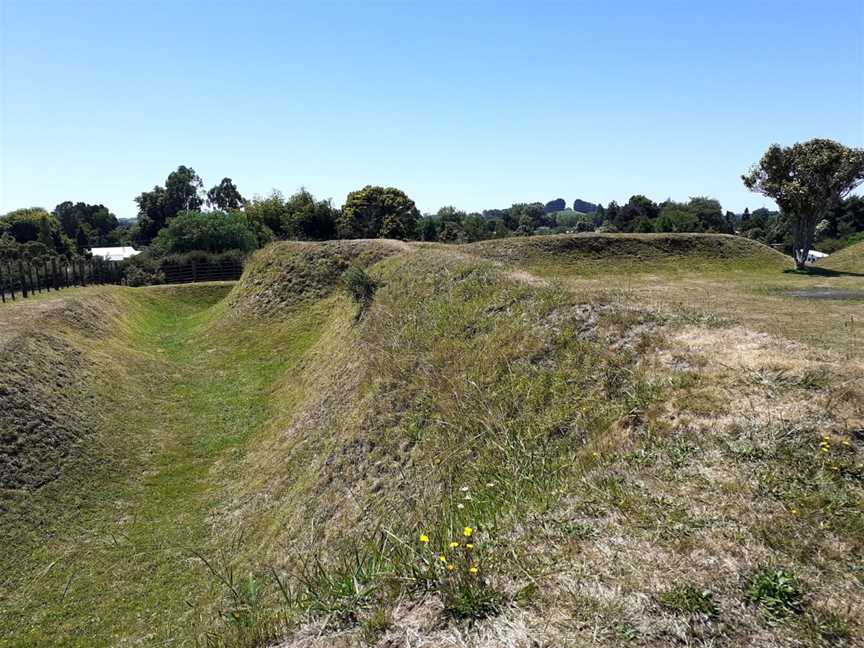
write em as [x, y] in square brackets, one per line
[227, 270]
[20, 278]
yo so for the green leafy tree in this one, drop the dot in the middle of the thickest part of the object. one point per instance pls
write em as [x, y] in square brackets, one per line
[427, 228]
[157, 207]
[637, 210]
[309, 219]
[225, 196]
[676, 217]
[268, 215]
[215, 231]
[36, 224]
[709, 213]
[378, 212]
[807, 180]
[97, 222]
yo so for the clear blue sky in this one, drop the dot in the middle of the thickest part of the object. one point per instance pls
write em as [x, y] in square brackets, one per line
[473, 104]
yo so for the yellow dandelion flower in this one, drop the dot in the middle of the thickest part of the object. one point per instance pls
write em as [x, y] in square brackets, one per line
[424, 538]
[442, 558]
[467, 532]
[473, 569]
[451, 567]
[453, 545]
[469, 546]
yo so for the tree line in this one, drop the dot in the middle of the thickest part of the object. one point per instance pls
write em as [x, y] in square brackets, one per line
[809, 182]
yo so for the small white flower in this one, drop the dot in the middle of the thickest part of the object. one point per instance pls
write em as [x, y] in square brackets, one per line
[464, 489]
[460, 506]
[467, 497]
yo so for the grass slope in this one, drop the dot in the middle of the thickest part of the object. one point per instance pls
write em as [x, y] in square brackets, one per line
[632, 253]
[630, 473]
[850, 259]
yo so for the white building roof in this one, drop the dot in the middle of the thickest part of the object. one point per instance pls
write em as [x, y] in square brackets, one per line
[114, 253]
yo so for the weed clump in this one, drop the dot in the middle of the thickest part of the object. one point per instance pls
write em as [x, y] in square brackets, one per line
[456, 570]
[360, 287]
[776, 591]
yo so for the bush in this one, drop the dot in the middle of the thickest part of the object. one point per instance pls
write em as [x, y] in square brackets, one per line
[360, 286]
[137, 275]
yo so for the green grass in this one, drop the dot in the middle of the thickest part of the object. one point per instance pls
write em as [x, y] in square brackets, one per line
[125, 566]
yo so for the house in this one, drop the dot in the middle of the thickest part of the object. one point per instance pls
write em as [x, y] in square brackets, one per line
[114, 253]
[814, 255]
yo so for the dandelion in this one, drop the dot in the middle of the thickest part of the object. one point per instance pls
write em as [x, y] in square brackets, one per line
[424, 539]
[451, 567]
[467, 532]
[469, 546]
[442, 558]
[454, 545]
[473, 569]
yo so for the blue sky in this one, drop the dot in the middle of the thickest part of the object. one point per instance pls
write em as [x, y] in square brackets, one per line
[473, 104]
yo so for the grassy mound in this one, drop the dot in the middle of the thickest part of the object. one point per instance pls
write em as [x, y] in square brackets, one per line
[291, 272]
[44, 385]
[850, 259]
[632, 253]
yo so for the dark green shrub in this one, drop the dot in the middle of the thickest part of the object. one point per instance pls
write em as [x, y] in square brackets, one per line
[360, 286]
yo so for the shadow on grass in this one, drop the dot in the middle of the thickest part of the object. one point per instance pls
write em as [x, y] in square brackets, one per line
[812, 271]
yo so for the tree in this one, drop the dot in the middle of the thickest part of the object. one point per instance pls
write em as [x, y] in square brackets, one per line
[225, 196]
[309, 219]
[638, 209]
[215, 231]
[269, 216]
[96, 222]
[157, 207]
[36, 224]
[709, 213]
[378, 212]
[676, 217]
[806, 180]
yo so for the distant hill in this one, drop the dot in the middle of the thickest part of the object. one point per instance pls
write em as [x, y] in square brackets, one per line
[584, 206]
[556, 205]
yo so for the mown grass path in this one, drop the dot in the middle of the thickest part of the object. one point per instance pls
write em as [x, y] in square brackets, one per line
[113, 561]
